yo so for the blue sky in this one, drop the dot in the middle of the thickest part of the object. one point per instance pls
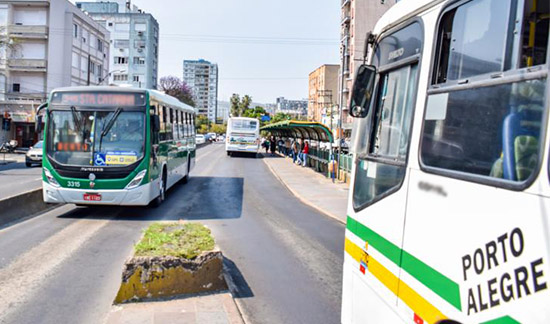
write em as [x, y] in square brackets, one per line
[263, 48]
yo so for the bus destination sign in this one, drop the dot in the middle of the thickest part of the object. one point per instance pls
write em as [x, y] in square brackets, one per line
[99, 99]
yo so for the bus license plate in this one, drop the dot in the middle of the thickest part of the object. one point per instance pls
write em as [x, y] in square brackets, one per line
[92, 197]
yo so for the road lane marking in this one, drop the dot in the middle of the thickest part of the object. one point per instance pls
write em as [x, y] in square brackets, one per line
[24, 277]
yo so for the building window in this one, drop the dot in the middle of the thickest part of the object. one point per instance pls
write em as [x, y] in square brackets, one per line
[122, 27]
[16, 87]
[92, 68]
[99, 71]
[121, 60]
[139, 44]
[139, 60]
[120, 77]
[138, 78]
[141, 27]
[122, 43]
[75, 30]
[76, 60]
[100, 45]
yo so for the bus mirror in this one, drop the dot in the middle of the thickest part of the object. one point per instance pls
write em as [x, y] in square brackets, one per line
[39, 118]
[38, 124]
[363, 88]
[155, 123]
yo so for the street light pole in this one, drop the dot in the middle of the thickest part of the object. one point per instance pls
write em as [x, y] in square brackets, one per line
[109, 74]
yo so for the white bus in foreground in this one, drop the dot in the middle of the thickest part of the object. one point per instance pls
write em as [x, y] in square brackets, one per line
[243, 135]
[449, 212]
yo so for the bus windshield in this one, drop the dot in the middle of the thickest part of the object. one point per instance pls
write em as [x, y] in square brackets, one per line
[244, 125]
[96, 138]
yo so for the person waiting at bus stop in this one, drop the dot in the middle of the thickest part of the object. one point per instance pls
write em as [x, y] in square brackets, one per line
[273, 144]
[305, 152]
[288, 147]
[281, 145]
[294, 151]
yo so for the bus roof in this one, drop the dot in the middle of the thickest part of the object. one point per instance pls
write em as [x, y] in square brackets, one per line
[402, 11]
[244, 118]
[155, 94]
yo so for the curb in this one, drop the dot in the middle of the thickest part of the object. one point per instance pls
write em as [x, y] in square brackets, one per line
[301, 198]
[25, 205]
[232, 287]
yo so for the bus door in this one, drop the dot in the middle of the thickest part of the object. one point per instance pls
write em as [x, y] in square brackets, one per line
[476, 235]
[375, 231]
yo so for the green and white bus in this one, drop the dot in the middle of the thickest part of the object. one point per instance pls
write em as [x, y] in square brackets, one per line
[449, 209]
[115, 146]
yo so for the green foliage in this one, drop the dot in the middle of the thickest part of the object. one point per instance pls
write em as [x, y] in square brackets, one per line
[183, 240]
[239, 106]
[218, 129]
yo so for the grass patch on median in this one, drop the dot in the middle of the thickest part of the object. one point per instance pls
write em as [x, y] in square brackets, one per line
[182, 240]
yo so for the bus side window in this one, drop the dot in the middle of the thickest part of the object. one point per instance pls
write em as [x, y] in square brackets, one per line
[487, 129]
[193, 123]
[162, 132]
[170, 127]
[154, 134]
[186, 124]
[177, 124]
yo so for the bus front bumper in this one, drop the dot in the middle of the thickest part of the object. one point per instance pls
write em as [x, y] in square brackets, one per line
[140, 196]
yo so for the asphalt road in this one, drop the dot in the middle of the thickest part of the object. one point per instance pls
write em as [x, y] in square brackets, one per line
[284, 257]
[16, 178]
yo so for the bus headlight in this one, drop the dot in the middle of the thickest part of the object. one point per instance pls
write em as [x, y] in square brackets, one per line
[137, 180]
[50, 178]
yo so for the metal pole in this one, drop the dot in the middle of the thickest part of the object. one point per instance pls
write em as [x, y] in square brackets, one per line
[341, 106]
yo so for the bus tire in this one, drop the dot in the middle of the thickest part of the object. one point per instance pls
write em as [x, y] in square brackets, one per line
[185, 179]
[162, 190]
[228, 153]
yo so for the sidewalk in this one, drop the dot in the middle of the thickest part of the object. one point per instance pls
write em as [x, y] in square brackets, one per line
[217, 308]
[310, 187]
[6, 158]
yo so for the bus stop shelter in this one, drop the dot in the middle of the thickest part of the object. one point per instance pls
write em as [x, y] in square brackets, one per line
[301, 129]
[318, 158]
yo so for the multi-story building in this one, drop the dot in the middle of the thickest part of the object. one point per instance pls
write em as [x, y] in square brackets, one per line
[358, 18]
[323, 91]
[46, 44]
[134, 41]
[292, 107]
[202, 77]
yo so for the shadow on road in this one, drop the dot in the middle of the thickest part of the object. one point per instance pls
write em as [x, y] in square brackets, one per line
[242, 289]
[245, 155]
[202, 198]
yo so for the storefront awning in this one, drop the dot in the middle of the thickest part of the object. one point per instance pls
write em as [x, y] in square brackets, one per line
[300, 129]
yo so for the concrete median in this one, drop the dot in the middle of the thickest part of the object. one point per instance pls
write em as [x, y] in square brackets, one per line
[21, 206]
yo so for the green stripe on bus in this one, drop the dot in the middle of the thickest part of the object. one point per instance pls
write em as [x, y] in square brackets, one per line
[428, 276]
[502, 320]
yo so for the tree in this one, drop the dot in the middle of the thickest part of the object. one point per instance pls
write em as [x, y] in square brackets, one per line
[174, 87]
[235, 102]
[201, 120]
[238, 107]
[245, 104]
[218, 129]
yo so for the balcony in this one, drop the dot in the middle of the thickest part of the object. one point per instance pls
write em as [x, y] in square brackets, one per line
[346, 20]
[23, 98]
[27, 65]
[28, 32]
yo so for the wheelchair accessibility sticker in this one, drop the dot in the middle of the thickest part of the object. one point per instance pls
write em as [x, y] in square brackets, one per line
[99, 159]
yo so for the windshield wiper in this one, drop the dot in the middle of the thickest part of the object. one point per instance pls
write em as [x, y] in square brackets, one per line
[108, 126]
[76, 120]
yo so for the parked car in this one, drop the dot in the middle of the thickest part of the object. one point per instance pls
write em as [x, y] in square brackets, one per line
[34, 155]
[211, 137]
[200, 139]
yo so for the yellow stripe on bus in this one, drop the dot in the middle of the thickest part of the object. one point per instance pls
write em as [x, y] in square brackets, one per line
[410, 297]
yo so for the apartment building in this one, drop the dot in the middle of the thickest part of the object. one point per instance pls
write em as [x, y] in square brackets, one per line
[297, 108]
[134, 41]
[202, 77]
[47, 44]
[358, 18]
[323, 91]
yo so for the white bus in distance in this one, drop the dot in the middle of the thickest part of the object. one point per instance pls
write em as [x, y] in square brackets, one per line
[448, 218]
[243, 135]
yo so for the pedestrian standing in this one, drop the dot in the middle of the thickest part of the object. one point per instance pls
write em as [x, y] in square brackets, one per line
[281, 145]
[305, 152]
[288, 147]
[273, 144]
[298, 152]
[294, 151]
[266, 145]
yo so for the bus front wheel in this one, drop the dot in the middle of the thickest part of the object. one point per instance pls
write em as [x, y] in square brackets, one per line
[162, 190]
